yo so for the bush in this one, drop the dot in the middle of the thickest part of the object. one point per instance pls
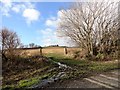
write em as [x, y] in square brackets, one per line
[103, 57]
[80, 54]
[100, 56]
[90, 57]
[76, 54]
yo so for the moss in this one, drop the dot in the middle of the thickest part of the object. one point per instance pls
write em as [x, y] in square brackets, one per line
[27, 83]
[32, 81]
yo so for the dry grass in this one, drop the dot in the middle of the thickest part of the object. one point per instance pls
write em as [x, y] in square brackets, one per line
[20, 69]
[47, 50]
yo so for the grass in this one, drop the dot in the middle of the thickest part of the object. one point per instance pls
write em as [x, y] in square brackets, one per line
[32, 81]
[68, 60]
[103, 66]
[83, 68]
[73, 62]
[40, 70]
[27, 82]
[25, 73]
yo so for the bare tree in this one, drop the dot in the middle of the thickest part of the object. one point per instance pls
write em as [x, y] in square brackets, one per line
[9, 41]
[90, 24]
[31, 45]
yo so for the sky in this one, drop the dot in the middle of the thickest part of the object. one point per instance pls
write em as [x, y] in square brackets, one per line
[34, 22]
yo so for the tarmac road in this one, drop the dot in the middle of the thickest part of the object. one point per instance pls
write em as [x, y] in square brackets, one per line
[104, 80]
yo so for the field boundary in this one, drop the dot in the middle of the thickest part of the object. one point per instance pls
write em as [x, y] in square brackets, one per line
[49, 50]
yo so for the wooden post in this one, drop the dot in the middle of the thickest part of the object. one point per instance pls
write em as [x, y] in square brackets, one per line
[41, 51]
[65, 50]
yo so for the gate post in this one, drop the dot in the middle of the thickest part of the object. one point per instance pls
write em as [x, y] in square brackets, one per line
[65, 50]
[40, 51]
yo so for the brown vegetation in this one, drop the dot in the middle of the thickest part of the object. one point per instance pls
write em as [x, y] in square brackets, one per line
[23, 68]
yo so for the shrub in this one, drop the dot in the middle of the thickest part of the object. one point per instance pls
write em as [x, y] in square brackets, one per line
[103, 57]
[76, 54]
[80, 54]
[100, 56]
[90, 57]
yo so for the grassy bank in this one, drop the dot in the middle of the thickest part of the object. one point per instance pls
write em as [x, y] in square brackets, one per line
[83, 68]
[27, 72]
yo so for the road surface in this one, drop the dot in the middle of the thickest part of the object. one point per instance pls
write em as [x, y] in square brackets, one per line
[104, 80]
